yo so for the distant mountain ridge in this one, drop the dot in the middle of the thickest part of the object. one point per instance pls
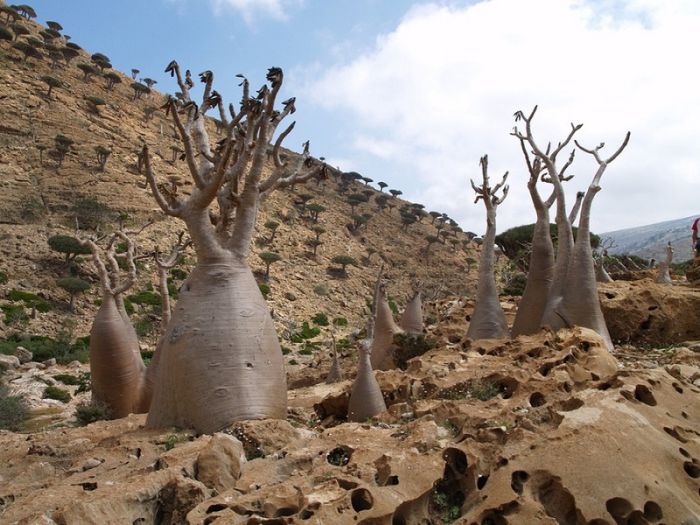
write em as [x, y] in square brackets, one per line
[650, 240]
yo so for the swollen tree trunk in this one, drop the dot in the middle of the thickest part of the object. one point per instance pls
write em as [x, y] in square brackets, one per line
[488, 320]
[580, 305]
[366, 399]
[664, 275]
[116, 367]
[412, 318]
[601, 274]
[565, 237]
[528, 318]
[382, 346]
[220, 360]
[335, 374]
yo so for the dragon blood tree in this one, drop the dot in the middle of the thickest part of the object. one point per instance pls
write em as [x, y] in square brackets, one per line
[220, 358]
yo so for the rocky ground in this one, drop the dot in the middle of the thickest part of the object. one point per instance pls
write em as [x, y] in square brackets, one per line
[540, 429]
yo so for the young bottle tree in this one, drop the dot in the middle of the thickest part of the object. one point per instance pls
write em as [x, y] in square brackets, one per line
[221, 315]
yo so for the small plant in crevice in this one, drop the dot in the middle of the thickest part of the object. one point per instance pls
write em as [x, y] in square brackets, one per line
[89, 412]
[56, 393]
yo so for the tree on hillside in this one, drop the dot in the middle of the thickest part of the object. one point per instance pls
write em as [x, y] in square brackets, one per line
[488, 320]
[112, 78]
[74, 286]
[221, 304]
[272, 226]
[88, 70]
[28, 50]
[102, 156]
[139, 90]
[573, 297]
[54, 25]
[382, 185]
[52, 82]
[395, 193]
[71, 247]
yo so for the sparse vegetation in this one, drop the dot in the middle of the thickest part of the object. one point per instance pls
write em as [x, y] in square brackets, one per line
[88, 412]
[59, 394]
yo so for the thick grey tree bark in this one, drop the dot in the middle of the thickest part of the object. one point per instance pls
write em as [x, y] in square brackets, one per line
[412, 317]
[573, 298]
[220, 357]
[366, 399]
[117, 370]
[488, 320]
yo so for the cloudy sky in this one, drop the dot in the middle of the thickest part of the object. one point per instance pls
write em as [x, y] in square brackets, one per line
[413, 93]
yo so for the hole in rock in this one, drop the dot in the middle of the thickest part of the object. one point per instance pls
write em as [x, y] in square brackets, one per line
[684, 452]
[456, 459]
[610, 295]
[493, 518]
[216, 507]
[249, 365]
[138, 521]
[502, 462]
[209, 520]
[545, 369]
[537, 399]
[677, 388]
[652, 511]
[685, 416]
[286, 511]
[652, 308]
[89, 485]
[346, 484]
[481, 481]
[517, 480]
[595, 377]
[570, 404]
[585, 346]
[306, 514]
[339, 456]
[361, 499]
[645, 325]
[618, 507]
[557, 501]
[567, 387]
[643, 394]
[636, 517]
[691, 469]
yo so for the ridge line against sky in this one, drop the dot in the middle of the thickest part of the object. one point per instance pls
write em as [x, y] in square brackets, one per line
[413, 93]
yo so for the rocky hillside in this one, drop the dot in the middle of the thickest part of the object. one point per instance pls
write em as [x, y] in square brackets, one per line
[43, 190]
[650, 241]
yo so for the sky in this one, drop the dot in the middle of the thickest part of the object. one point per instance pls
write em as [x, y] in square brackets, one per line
[413, 93]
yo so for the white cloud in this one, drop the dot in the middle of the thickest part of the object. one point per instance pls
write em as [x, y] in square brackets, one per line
[249, 9]
[439, 91]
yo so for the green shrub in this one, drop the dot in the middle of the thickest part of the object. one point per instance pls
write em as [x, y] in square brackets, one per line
[264, 289]
[178, 274]
[173, 439]
[26, 297]
[43, 348]
[146, 297]
[483, 390]
[293, 362]
[91, 213]
[3, 278]
[320, 319]
[144, 327]
[305, 351]
[67, 379]
[53, 392]
[14, 313]
[305, 333]
[89, 412]
[340, 321]
[13, 410]
[84, 382]
[321, 289]
[286, 350]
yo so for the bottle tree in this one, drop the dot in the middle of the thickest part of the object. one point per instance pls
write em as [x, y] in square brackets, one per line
[220, 357]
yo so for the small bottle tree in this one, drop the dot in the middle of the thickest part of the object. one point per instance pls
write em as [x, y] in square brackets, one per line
[269, 258]
[74, 286]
